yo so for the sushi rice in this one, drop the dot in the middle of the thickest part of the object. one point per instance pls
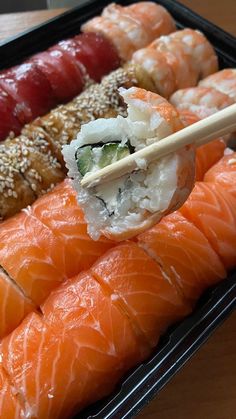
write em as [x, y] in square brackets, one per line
[123, 208]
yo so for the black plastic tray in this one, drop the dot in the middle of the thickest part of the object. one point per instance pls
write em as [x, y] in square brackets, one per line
[183, 340]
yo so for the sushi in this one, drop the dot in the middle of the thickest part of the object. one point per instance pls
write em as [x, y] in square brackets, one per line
[132, 27]
[184, 254]
[93, 328]
[211, 208]
[224, 81]
[177, 60]
[203, 101]
[54, 76]
[224, 173]
[136, 201]
[32, 163]
[46, 244]
[206, 155]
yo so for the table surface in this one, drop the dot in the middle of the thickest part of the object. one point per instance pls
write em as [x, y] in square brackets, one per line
[206, 387]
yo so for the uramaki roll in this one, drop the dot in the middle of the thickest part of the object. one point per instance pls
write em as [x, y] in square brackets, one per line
[32, 163]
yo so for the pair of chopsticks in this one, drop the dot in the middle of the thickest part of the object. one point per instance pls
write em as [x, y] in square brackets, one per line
[202, 132]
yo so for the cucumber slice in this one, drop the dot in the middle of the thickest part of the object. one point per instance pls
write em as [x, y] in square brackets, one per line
[84, 159]
[111, 153]
[90, 158]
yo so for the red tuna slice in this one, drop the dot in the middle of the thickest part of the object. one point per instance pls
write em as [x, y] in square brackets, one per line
[64, 76]
[30, 90]
[8, 121]
[96, 53]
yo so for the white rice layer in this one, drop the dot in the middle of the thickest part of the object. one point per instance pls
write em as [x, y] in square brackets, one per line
[126, 202]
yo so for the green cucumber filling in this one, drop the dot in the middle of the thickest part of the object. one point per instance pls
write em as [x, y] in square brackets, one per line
[90, 158]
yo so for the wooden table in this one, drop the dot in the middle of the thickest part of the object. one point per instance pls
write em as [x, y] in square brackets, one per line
[206, 387]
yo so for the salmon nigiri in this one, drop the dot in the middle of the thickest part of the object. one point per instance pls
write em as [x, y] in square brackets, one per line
[132, 277]
[47, 243]
[206, 155]
[11, 406]
[213, 210]
[14, 305]
[184, 254]
[74, 354]
[224, 173]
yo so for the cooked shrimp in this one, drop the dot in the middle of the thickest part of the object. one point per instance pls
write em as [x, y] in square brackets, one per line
[155, 18]
[224, 81]
[114, 33]
[202, 97]
[134, 202]
[179, 58]
[132, 27]
[204, 57]
[155, 64]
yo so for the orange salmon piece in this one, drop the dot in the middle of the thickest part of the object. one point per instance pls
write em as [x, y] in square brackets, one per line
[213, 211]
[75, 354]
[60, 212]
[206, 155]
[10, 406]
[148, 298]
[224, 173]
[31, 255]
[184, 255]
[14, 305]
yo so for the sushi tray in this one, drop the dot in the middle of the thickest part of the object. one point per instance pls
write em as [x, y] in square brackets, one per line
[31, 209]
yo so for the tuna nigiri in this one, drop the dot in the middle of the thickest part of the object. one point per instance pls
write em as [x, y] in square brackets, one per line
[212, 210]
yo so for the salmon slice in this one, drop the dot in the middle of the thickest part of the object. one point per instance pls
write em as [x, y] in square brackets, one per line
[224, 173]
[13, 304]
[10, 406]
[60, 212]
[184, 254]
[73, 355]
[213, 211]
[48, 243]
[150, 300]
[206, 155]
[31, 255]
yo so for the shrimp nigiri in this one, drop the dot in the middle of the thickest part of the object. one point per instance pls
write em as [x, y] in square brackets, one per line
[132, 27]
[224, 81]
[134, 202]
[203, 101]
[173, 62]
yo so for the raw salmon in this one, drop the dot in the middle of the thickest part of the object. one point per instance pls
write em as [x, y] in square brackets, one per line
[60, 212]
[14, 306]
[74, 354]
[224, 173]
[150, 300]
[206, 155]
[213, 210]
[48, 243]
[10, 405]
[185, 256]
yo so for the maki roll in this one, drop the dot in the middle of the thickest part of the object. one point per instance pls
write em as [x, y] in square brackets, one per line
[134, 202]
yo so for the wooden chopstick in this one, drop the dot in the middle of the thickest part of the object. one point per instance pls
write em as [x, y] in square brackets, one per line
[202, 132]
